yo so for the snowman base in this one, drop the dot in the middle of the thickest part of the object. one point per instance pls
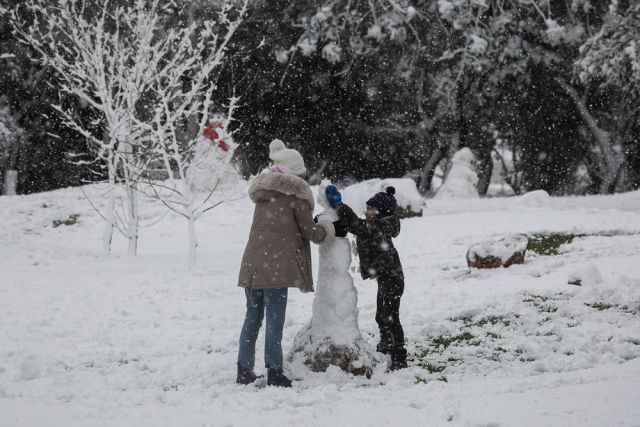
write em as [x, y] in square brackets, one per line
[318, 354]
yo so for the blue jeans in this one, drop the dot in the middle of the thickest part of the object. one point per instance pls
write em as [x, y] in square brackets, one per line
[275, 303]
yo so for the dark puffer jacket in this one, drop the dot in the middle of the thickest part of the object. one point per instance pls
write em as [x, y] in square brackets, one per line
[378, 256]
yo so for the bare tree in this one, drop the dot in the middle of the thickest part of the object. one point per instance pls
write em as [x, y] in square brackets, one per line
[183, 91]
[182, 192]
[104, 55]
[122, 62]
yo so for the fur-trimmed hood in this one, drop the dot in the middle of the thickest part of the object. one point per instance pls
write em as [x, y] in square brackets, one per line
[263, 186]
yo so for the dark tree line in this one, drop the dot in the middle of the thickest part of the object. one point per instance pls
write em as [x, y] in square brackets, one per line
[388, 88]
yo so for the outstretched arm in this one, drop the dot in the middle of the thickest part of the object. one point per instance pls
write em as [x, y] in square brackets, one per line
[362, 228]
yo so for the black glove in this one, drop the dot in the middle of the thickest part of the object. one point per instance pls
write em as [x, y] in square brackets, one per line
[341, 228]
[346, 214]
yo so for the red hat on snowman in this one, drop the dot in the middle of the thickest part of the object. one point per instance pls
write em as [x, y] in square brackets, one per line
[213, 131]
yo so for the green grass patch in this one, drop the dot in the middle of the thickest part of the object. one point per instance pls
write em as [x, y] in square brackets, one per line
[443, 342]
[600, 306]
[548, 244]
[437, 346]
[488, 320]
[431, 368]
[73, 219]
[624, 308]
[543, 303]
[426, 380]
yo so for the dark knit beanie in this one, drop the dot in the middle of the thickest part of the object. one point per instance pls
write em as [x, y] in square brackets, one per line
[385, 203]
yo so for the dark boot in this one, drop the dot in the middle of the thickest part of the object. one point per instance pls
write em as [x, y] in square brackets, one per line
[398, 358]
[246, 376]
[384, 346]
[275, 377]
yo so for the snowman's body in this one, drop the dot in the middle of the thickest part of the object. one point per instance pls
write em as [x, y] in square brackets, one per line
[333, 337]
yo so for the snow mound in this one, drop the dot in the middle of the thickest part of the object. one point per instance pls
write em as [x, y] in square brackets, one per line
[586, 274]
[31, 369]
[462, 180]
[406, 195]
[537, 198]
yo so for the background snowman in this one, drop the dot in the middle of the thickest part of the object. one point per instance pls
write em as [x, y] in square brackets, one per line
[333, 337]
[211, 166]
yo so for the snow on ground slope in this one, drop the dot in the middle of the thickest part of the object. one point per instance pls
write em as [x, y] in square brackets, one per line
[145, 342]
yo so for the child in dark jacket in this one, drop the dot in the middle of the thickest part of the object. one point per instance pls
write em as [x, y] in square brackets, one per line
[379, 260]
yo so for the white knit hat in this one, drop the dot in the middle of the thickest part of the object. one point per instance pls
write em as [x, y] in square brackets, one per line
[281, 155]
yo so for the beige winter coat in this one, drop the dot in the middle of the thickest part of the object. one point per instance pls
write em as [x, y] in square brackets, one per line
[278, 253]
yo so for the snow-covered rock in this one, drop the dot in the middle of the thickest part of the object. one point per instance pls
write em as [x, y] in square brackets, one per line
[462, 180]
[500, 252]
[333, 337]
[586, 274]
[406, 195]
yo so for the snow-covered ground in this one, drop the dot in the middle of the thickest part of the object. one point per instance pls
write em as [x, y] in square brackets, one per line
[145, 342]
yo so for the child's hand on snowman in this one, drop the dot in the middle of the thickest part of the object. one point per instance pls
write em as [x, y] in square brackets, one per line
[333, 196]
[341, 228]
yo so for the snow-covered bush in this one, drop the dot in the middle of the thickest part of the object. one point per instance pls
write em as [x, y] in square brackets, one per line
[406, 195]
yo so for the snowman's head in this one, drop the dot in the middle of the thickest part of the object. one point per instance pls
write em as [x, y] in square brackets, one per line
[322, 197]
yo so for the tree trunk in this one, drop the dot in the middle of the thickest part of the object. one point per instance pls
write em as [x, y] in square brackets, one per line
[454, 145]
[133, 221]
[10, 183]
[193, 242]
[611, 160]
[485, 169]
[429, 169]
[611, 178]
[109, 216]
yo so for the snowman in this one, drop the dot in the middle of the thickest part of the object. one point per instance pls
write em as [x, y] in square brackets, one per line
[210, 167]
[462, 179]
[333, 337]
